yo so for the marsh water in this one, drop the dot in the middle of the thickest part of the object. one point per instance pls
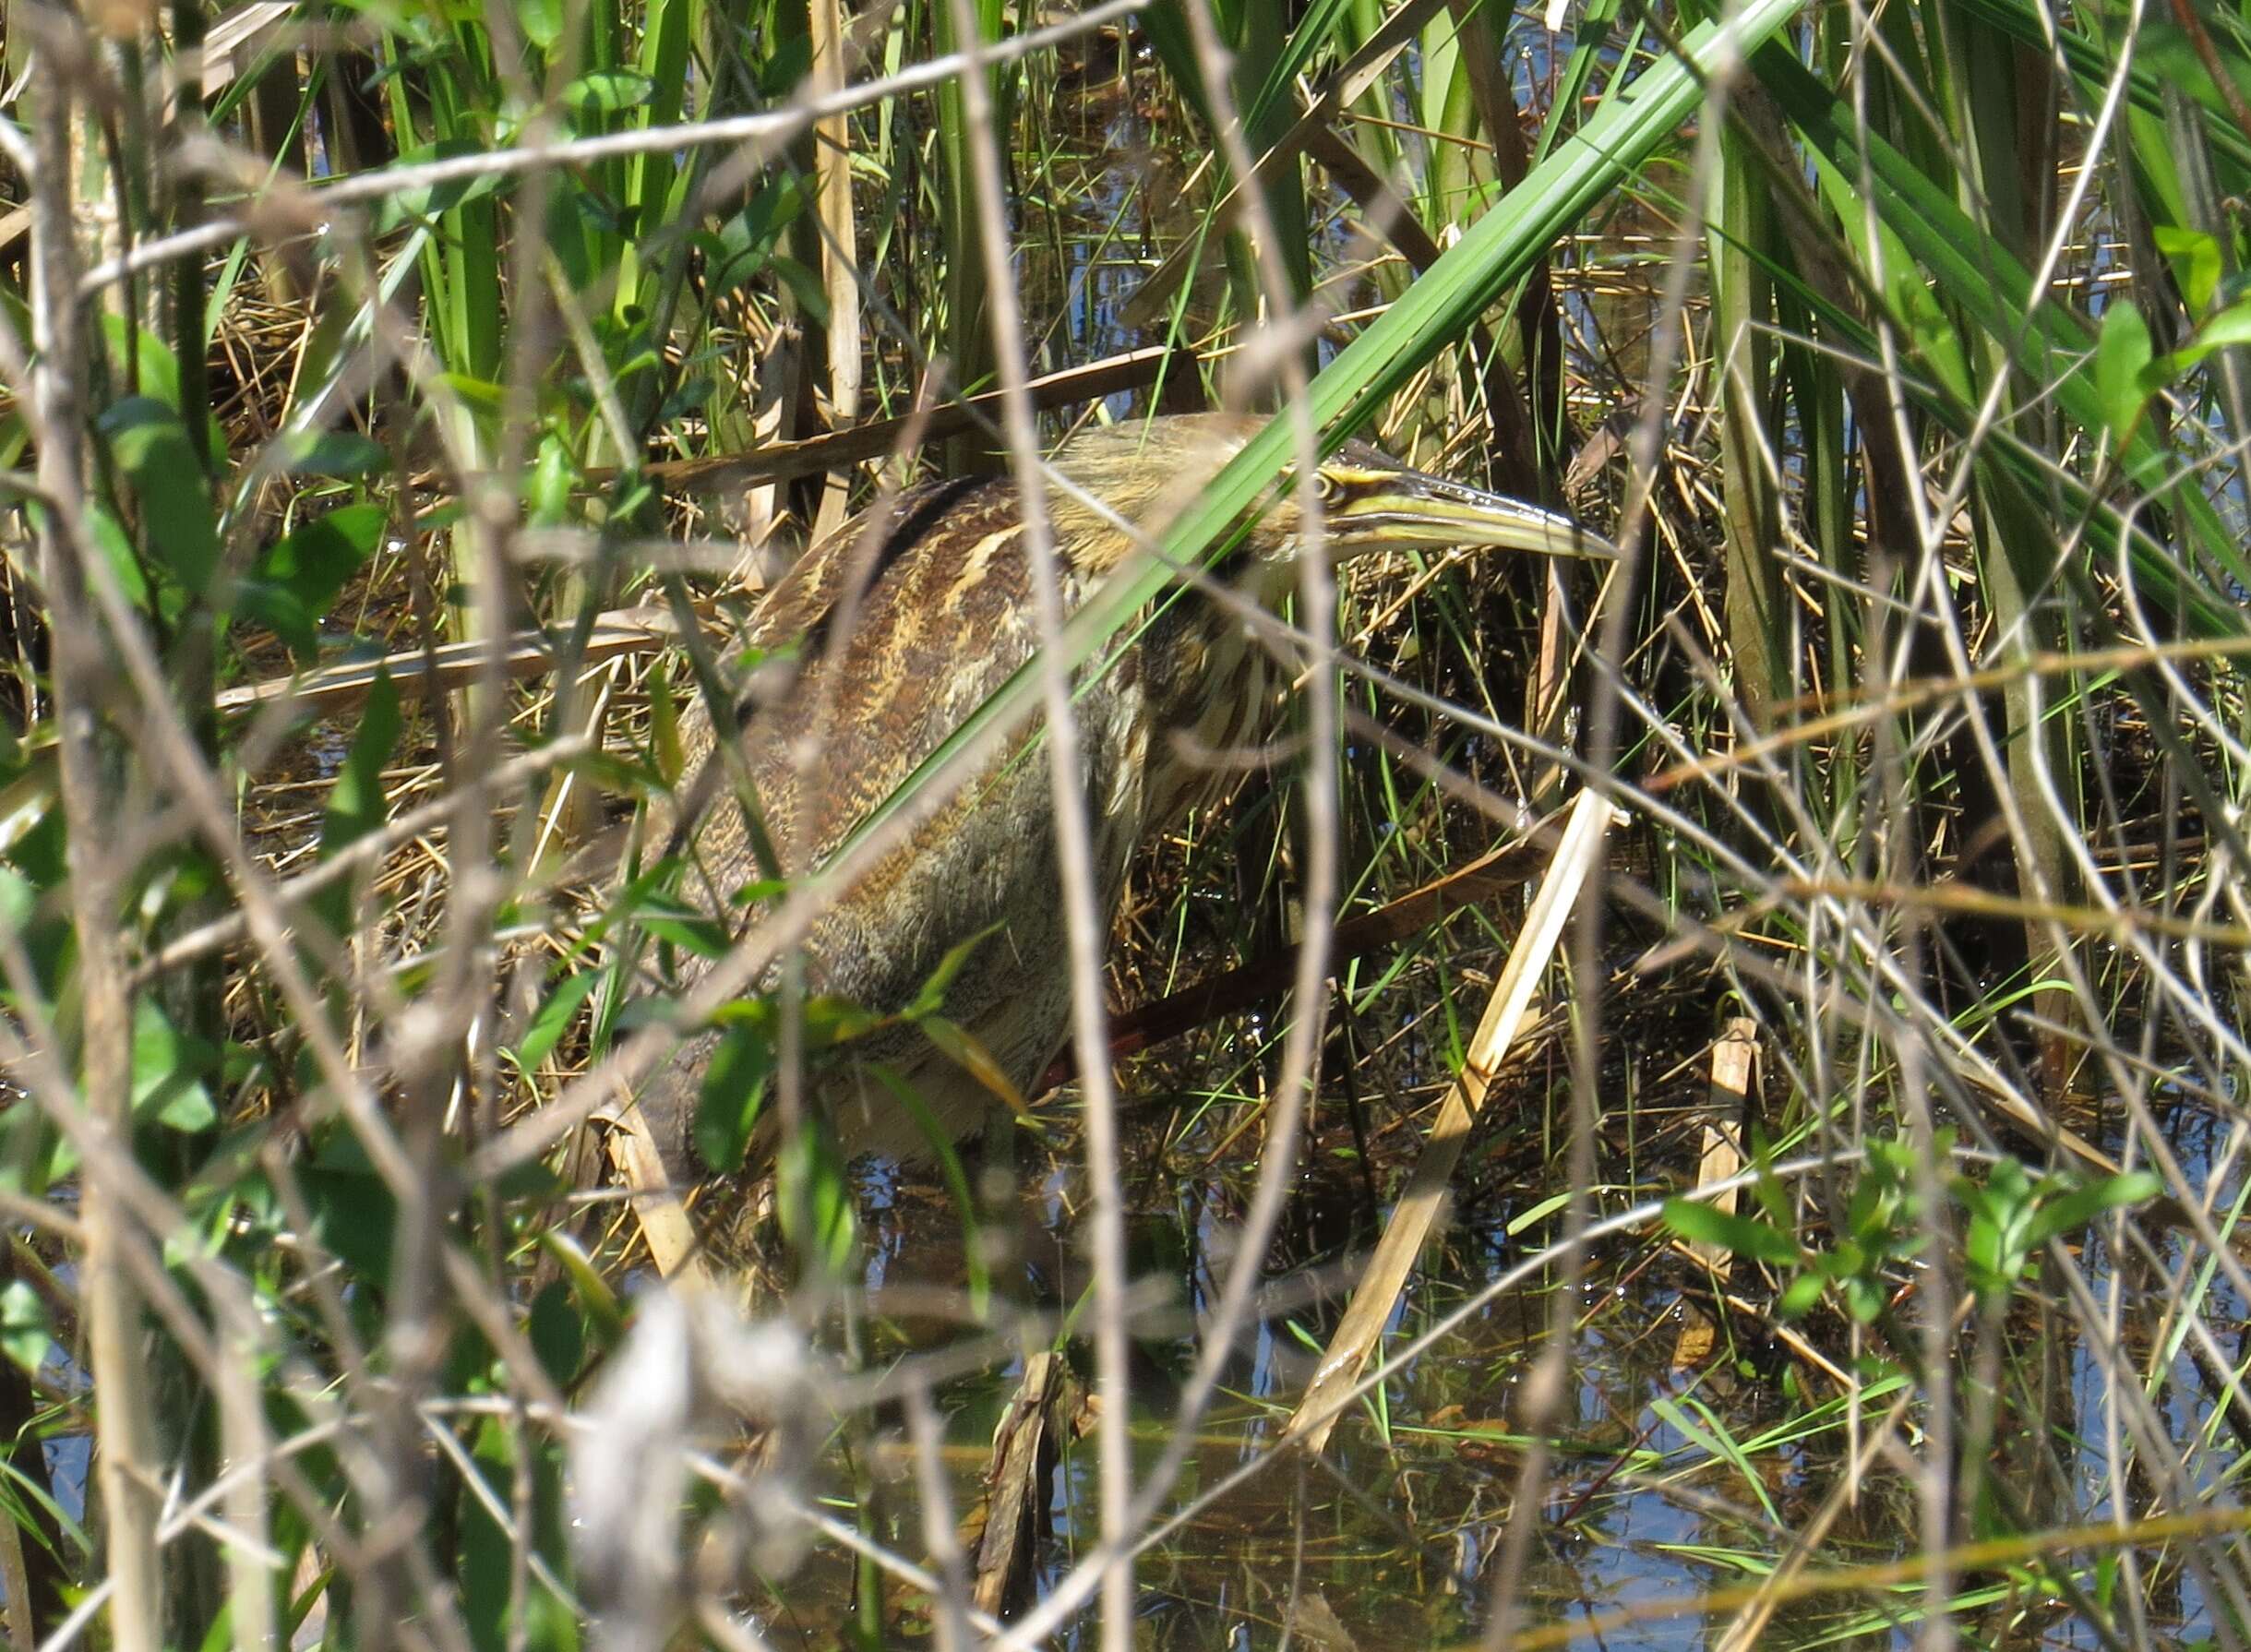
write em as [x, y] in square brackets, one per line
[1693, 1449]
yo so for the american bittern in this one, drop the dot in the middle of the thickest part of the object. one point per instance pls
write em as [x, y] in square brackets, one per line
[904, 623]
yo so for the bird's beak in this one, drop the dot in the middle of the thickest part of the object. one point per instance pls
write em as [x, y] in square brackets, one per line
[1406, 509]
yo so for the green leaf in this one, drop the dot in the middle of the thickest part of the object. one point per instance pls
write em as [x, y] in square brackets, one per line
[2231, 326]
[2122, 356]
[152, 447]
[168, 1072]
[732, 1096]
[557, 1334]
[547, 502]
[116, 549]
[2072, 1210]
[1799, 1296]
[940, 1141]
[555, 1017]
[1537, 1213]
[1745, 1236]
[805, 286]
[354, 1213]
[26, 1332]
[814, 1198]
[2229, 329]
[665, 749]
[1767, 1189]
[485, 395]
[19, 901]
[597, 1302]
[685, 926]
[355, 801]
[2195, 257]
[1868, 1212]
[541, 21]
[146, 362]
[1863, 1301]
[301, 573]
[831, 1020]
[419, 205]
[345, 455]
[142, 354]
[747, 1013]
[605, 91]
[1991, 1266]
[932, 997]
[742, 246]
[960, 1046]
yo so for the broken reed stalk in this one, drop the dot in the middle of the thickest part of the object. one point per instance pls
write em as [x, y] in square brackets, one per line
[618, 633]
[1417, 1212]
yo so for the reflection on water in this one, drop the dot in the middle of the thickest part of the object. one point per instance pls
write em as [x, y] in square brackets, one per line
[1392, 1539]
[1696, 1446]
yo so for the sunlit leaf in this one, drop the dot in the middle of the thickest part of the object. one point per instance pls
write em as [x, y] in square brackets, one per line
[542, 22]
[2122, 356]
[27, 1334]
[732, 1096]
[1745, 1236]
[2073, 1209]
[961, 1047]
[301, 573]
[2195, 261]
[932, 994]
[605, 91]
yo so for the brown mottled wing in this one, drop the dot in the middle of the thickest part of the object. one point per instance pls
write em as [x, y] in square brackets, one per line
[794, 616]
[858, 556]
[901, 636]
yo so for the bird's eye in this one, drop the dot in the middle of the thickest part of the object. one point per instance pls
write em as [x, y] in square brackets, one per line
[1327, 488]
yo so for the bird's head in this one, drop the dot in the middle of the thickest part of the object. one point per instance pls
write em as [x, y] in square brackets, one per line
[1148, 470]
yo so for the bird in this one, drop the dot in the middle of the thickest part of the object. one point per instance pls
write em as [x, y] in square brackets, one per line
[881, 641]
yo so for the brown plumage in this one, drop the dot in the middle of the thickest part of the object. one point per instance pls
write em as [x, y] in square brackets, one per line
[903, 623]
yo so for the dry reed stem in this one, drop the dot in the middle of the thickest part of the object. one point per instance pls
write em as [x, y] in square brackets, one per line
[1416, 1213]
[840, 276]
[1074, 845]
[127, 1457]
